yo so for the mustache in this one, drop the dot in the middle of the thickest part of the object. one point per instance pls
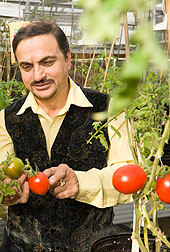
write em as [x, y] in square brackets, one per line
[43, 80]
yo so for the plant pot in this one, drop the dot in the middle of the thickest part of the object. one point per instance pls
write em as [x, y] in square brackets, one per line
[122, 243]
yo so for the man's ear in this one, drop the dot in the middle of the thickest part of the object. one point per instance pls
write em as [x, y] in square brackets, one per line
[68, 59]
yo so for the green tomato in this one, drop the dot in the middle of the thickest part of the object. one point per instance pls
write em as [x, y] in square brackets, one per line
[15, 168]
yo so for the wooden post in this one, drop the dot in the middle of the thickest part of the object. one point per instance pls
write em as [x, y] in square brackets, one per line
[75, 66]
[120, 41]
[110, 54]
[8, 62]
[1, 69]
[82, 65]
[91, 63]
[72, 18]
[167, 7]
[126, 35]
[105, 53]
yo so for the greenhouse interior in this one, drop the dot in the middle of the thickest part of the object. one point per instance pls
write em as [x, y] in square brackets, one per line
[92, 61]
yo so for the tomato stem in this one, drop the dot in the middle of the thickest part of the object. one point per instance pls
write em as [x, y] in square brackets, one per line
[29, 169]
[7, 161]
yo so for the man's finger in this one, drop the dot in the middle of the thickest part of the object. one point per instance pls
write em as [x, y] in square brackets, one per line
[25, 193]
[22, 179]
[49, 172]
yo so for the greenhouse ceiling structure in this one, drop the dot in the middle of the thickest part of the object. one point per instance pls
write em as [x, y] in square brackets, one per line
[66, 14]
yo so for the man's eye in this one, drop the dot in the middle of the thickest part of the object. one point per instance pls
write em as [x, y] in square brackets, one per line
[26, 67]
[48, 63]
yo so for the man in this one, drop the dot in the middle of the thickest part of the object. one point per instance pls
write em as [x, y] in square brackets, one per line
[50, 127]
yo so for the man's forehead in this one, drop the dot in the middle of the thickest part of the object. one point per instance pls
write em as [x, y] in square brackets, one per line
[37, 48]
[38, 41]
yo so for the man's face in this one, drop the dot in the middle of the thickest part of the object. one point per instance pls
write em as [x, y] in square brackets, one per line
[43, 67]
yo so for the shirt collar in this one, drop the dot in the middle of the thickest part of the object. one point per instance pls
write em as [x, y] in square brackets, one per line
[75, 96]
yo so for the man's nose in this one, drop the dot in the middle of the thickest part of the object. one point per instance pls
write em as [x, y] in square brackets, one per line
[39, 73]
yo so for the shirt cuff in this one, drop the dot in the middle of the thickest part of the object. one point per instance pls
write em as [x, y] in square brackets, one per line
[95, 187]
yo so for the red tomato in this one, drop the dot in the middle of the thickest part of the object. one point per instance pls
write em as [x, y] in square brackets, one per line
[39, 183]
[163, 188]
[129, 179]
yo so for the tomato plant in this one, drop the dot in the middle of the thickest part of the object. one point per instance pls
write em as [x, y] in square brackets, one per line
[163, 188]
[13, 168]
[39, 183]
[129, 179]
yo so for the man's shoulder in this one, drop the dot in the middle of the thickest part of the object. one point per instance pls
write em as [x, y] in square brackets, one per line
[92, 92]
[16, 105]
[98, 99]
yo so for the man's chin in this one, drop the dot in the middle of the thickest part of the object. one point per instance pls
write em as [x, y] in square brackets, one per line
[45, 96]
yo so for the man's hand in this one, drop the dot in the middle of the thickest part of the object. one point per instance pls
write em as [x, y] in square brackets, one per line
[63, 181]
[21, 195]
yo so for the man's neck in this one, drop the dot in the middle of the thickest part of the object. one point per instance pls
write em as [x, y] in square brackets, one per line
[52, 111]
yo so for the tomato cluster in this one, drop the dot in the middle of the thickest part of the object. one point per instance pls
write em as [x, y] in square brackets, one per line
[14, 167]
[129, 179]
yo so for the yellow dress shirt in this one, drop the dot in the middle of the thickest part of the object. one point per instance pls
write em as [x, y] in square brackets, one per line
[95, 186]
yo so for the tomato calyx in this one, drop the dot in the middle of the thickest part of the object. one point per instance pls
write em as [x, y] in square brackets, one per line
[30, 171]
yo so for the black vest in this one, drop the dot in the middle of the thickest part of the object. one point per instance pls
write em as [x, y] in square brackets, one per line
[45, 223]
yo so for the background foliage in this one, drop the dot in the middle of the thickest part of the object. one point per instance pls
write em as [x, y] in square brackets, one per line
[9, 91]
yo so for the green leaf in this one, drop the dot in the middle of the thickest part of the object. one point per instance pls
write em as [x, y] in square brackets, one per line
[96, 125]
[103, 141]
[115, 130]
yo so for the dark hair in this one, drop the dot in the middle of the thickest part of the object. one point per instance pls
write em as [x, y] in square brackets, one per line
[40, 27]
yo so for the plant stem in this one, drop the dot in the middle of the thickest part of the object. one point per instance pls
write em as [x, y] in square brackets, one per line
[155, 230]
[100, 128]
[137, 226]
[130, 142]
[153, 208]
[158, 245]
[157, 241]
[145, 231]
